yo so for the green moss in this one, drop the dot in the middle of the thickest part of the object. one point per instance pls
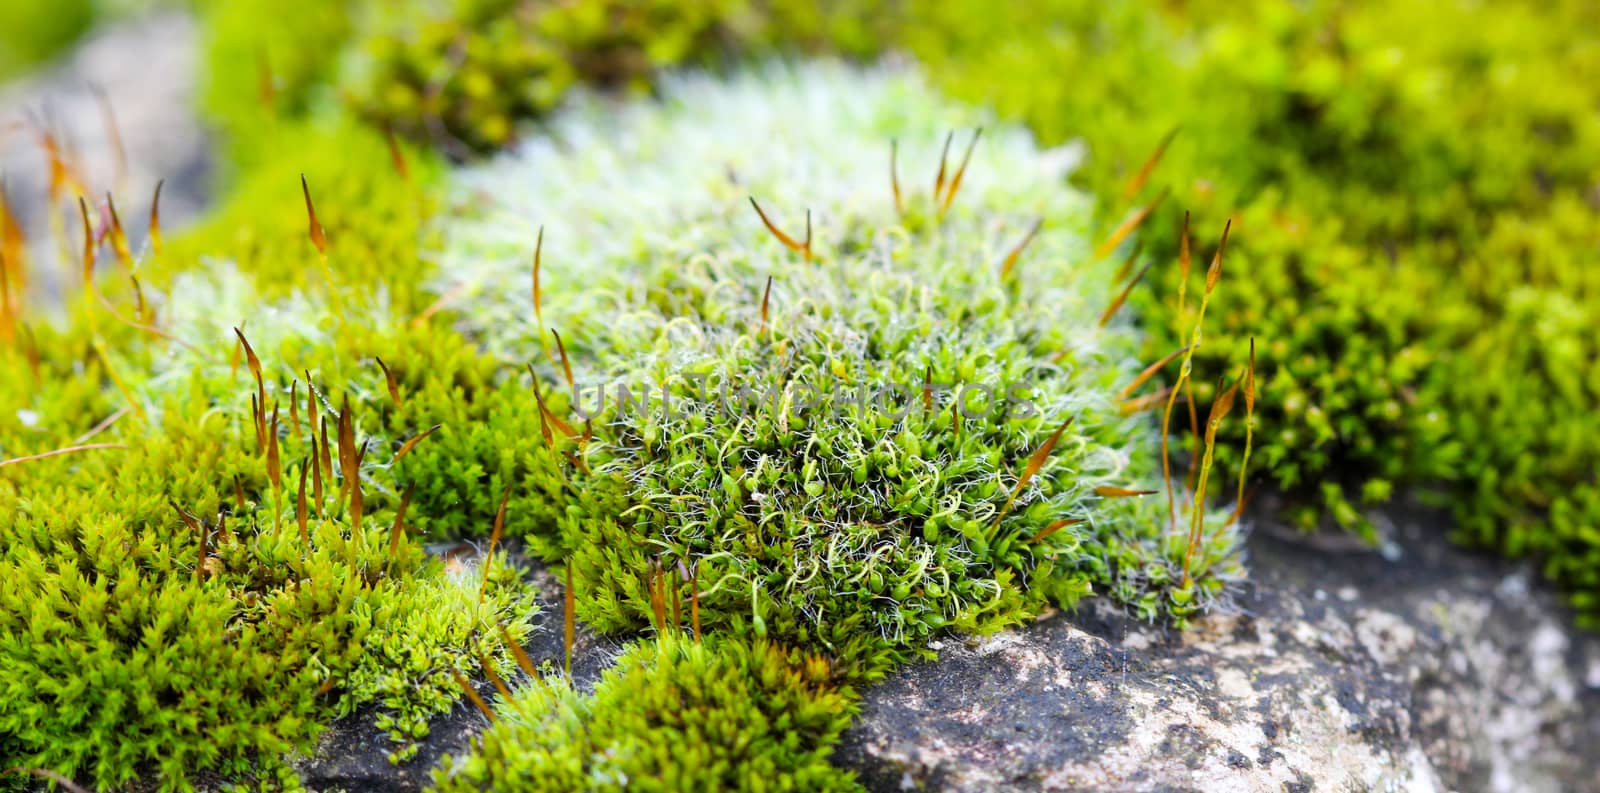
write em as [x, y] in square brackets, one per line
[1413, 194]
[125, 655]
[1351, 157]
[435, 625]
[372, 213]
[1521, 393]
[31, 33]
[671, 714]
[860, 529]
[475, 67]
[857, 531]
[1369, 152]
[122, 657]
[261, 64]
[464, 74]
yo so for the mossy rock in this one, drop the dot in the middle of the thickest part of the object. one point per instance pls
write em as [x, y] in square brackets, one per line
[716, 426]
[673, 713]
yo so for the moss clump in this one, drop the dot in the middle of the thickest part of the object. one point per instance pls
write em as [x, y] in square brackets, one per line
[466, 72]
[1414, 187]
[176, 612]
[671, 714]
[1521, 393]
[234, 563]
[802, 450]
[1339, 362]
[139, 636]
[1370, 155]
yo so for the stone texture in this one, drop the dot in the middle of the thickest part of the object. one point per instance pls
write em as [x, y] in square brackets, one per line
[1432, 670]
[1425, 668]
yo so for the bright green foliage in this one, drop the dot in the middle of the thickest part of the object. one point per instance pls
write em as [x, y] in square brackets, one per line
[263, 64]
[1523, 393]
[34, 32]
[168, 614]
[372, 213]
[1371, 151]
[861, 529]
[436, 624]
[129, 647]
[462, 74]
[462, 471]
[471, 68]
[1258, 138]
[1414, 194]
[672, 714]
[120, 656]
[1340, 365]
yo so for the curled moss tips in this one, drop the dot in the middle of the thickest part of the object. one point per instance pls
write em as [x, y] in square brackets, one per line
[671, 714]
[847, 458]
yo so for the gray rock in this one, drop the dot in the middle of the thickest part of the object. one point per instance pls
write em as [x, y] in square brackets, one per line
[1339, 672]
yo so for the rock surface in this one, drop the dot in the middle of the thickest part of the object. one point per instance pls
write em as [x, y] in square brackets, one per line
[1340, 672]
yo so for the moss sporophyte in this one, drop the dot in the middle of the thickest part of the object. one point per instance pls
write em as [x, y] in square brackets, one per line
[1417, 188]
[795, 432]
[885, 377]
[946, 430]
